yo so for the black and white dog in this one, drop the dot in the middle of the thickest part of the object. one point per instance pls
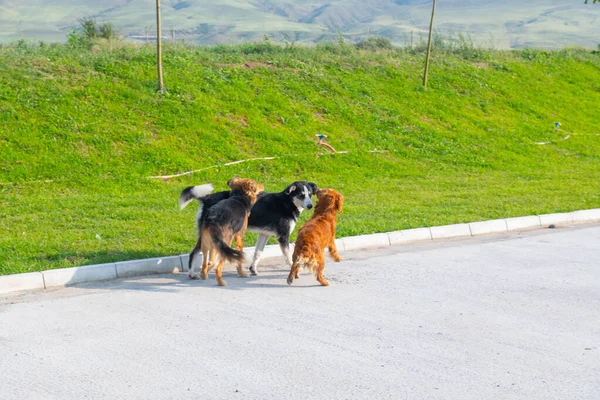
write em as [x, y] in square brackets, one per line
[274, 214]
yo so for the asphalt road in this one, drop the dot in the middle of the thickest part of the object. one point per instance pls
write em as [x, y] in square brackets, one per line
[502, 317]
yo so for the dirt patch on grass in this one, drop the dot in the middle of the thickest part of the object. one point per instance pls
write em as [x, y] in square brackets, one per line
[319, 116]
[233, 120]
[482, 65]
[249, 65]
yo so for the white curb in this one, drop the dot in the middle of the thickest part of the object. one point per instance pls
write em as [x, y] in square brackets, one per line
[450, 231]
[71, 276]
[365, 241]
[584, 216]
[521, 223]
[162, 265]
[20, 282]
[555, 219]
[270, 251]
[487, 227]
[409, 235]
[148, 266]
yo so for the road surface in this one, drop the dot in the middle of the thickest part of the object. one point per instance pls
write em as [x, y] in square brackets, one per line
[514, 316]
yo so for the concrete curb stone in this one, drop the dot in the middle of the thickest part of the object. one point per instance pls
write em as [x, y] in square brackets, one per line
[486, 227]
[21, 282]
[562, 219]
[584, 216]
[365, 241]
[450, 231]
[409, 235]
[148, 266]
[71, 276]
[523, 223]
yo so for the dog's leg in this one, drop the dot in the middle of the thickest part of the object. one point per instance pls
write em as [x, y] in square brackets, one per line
[293, 272]
[239, 245]
[205, 255]
[219, 272]
[333, 252]
[191, 272]
[204, 273]
[207, 246]
[284, 245]
[258, 249]
[213, 258]
[320, 268]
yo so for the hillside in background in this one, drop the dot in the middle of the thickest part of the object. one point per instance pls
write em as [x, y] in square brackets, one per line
[501, 24]
[82, 132]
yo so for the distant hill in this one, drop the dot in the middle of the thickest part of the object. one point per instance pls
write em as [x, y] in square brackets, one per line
[503, 24]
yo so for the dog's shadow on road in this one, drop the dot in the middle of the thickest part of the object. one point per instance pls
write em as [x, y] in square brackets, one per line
[272, 278]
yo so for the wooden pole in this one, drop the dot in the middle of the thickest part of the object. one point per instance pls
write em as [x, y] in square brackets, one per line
[429, 47]
[159, 48]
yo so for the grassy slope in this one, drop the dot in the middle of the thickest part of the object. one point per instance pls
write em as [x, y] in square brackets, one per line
[462, 151]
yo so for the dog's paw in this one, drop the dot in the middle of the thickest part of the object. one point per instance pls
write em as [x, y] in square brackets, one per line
[204, 275]
[337, 258]
[253, 271]
[222, 282]
[243, 274]
[193, 275]
[290, 280]
[324, 282]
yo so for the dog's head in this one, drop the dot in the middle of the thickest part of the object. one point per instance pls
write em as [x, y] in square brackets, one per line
[300, 193]
[247, 187]
[329, 201]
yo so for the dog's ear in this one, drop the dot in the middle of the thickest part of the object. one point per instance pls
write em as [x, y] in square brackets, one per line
[313, 187]
[339, 203]
[233, 181]
[290, 189]
[260, 188]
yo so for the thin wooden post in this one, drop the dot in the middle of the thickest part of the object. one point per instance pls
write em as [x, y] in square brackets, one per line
[429, 47]
[159, 48]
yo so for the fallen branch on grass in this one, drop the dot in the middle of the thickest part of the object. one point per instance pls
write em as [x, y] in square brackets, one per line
[251, 159]
[211, 167]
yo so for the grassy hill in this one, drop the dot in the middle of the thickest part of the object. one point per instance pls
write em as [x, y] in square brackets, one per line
[81, 132]
[503, 24]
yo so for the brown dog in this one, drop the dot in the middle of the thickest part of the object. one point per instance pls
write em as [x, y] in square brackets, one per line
[317, 234]
[225, 220]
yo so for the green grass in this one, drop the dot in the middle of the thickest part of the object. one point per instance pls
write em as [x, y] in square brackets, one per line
[81, 131]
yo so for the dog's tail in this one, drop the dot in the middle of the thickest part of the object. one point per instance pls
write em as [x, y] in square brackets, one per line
[194, 193]
[225, 251]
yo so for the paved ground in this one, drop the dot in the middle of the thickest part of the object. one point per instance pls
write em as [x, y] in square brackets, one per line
[504, 317]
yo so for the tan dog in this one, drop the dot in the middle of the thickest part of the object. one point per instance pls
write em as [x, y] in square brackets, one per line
[317, 234]
[225, 220]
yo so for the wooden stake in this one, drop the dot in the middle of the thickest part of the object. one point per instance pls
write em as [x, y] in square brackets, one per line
[429, 46]
[159, 49]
